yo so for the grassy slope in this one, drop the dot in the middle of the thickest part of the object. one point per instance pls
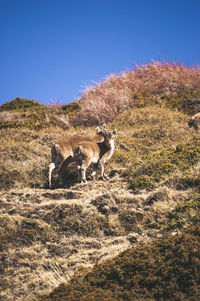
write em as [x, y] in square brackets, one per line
[150, 145]
[165, 270]
[48, 235]
[25, 113]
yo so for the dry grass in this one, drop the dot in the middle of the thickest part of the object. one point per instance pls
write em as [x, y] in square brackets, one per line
[47, 236]
[26, 155]
[164, 270]
[104, 101]
[42, 245]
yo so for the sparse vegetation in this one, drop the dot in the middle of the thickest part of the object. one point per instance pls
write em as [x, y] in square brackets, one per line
[146, 209]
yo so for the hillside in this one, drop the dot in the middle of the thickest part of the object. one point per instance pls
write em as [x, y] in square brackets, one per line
[82, 239]
[164, 270]
[25, 113]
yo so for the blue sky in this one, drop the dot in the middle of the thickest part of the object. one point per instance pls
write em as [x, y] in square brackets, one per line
[52, 49]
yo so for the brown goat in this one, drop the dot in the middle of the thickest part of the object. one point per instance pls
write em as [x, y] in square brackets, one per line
[195, 122]
[63, 150]
[88, 152]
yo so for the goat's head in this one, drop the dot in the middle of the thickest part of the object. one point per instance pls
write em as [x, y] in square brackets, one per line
[101, 129]
[109, 137]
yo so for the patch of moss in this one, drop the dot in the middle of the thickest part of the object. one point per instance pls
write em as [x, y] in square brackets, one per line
[141, 182]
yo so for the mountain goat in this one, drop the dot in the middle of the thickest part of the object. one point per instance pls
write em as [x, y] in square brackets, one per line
[195, 121]
[88, 152]
[63, 150]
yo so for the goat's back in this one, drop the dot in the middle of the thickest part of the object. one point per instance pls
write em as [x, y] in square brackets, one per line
[73, 141]
[87, 149]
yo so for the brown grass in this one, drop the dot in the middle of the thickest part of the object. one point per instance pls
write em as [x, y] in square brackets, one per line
[47, 236]
[105, 100]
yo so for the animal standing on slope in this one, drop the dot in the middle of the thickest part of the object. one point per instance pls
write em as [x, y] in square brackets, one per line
[62, 150]
[88, 152]
[195, 122]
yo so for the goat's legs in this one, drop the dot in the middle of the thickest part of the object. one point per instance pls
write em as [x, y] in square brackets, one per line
[103, 176]
[51, 168]
[83, 175]
[93, 175]
[84, 166]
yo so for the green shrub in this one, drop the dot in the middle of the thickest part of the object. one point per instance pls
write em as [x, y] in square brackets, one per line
[187, 101]
[186, 213]
[155, 167]
[144, 99]
[71, 107]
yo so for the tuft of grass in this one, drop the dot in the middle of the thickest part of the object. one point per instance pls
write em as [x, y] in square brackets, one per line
[72, 219]
[25, 158]
[17, 229]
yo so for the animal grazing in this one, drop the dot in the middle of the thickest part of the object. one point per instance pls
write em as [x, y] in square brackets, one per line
[195, 121]
[62, 150]
[88, 152]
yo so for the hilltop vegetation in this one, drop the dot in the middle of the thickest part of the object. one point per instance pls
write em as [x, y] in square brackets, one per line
[105, 100]
[149, 209]
[29, 114]
[173, 85]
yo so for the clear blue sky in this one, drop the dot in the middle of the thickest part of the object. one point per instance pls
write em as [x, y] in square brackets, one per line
[52, 49]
